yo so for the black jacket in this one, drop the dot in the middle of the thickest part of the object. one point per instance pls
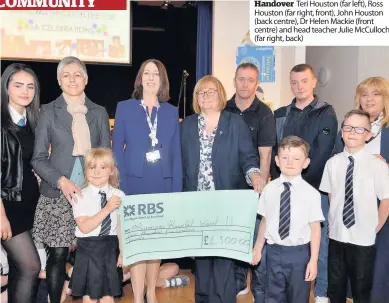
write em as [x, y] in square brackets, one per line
[319, 130]
[233, 152]
[11, 166]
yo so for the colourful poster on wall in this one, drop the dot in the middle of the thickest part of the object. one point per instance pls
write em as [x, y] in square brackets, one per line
[263, 57]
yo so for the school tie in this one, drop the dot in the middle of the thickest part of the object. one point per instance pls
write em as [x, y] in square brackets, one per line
[22, 122]
[348, 209]
[106, 224]
[284, 224]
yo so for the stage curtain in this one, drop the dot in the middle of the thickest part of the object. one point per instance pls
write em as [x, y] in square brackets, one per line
[204, 39]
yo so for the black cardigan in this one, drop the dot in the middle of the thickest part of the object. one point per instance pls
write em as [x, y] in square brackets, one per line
[233, 152]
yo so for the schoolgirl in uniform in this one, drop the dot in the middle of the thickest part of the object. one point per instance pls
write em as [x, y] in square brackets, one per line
[95, 275]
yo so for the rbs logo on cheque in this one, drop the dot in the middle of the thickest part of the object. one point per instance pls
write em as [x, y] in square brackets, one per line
[143, 209]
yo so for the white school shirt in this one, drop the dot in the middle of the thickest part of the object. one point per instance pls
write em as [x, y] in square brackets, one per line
[15, 116]
[305, 208]
[370, 181]
[90, 204]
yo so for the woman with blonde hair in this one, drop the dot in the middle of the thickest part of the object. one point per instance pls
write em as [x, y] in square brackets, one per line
[372, 96]
[219, 154]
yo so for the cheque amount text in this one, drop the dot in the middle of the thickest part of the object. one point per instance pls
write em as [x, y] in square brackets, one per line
[227, 239]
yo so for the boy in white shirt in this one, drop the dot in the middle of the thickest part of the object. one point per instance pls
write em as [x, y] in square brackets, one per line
[291, 215]
[354, 179]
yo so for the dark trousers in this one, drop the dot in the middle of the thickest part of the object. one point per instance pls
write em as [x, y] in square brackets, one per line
[353, 262]
[286, 267]
[380, 290]
[215, 280]
[258, 272]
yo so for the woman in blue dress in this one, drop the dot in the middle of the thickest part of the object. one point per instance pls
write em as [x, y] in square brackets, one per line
[146, 144]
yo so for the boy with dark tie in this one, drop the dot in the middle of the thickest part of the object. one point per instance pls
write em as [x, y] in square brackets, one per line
[354, 180]
[291, 215]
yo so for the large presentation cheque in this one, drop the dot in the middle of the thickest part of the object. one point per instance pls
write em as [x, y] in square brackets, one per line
[174, 225]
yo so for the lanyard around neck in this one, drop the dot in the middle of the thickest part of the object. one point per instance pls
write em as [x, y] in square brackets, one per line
[152, 126]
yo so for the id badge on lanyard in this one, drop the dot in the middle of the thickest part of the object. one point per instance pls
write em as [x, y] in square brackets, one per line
[154, 155]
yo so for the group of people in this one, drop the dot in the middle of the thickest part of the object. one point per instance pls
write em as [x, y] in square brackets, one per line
[65, 147]
[339, 179]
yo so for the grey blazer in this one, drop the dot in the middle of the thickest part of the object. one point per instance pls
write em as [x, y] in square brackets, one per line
[55, 129]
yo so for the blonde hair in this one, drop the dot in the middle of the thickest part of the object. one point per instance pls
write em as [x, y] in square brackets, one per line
[382, 87]
[219, 87]
[105, 156]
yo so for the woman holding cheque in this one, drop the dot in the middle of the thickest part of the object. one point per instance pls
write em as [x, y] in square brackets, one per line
[146, 145]
[218, 154]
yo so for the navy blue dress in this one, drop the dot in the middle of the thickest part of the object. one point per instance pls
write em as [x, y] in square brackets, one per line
[131, 142]
[152, 180]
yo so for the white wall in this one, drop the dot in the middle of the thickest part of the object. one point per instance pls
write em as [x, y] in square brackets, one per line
[348, 67]
[342, 62]
[230, 26]
[288, 60]
[373, 61]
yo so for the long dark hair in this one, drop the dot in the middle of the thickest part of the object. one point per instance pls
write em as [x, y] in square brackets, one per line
[163, 94]
[32, 109]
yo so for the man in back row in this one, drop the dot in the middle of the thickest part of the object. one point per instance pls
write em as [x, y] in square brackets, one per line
[260, 120]
[315, 122]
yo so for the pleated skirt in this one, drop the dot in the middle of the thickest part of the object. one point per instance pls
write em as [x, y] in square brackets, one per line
[95, 272]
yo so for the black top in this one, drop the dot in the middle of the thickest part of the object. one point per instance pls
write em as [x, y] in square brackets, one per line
[260, 119]
[296, 118]
[318, 126]
[21, 214]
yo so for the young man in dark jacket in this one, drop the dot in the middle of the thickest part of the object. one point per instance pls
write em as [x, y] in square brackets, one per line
[314, 121]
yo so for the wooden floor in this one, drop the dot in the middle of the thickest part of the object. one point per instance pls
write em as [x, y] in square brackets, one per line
[175, 295]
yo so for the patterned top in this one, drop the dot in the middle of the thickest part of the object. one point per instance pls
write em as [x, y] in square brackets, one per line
[205, 177]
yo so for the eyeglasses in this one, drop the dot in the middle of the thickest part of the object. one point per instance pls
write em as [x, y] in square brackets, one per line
[209, 93]
[358, 130]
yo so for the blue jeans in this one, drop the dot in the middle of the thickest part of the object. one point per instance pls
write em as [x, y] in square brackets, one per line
[258, 273]
[322, 275]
